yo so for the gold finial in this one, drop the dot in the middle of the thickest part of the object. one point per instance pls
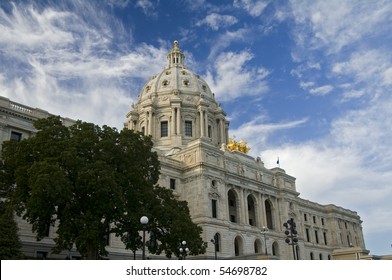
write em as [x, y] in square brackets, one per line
[240, 146]
[175, 45]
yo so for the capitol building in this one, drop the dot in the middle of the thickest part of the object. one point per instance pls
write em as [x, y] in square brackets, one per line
[240, 204]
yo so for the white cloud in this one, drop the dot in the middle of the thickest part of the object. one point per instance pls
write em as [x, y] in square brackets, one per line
[387, 76]
[257, 132]
[352, 94]
[329, 24]
[323, 90]
[216, 21]
[57, 61]
[306, 85]
[254, 8]
[148, 7]
[231, 78]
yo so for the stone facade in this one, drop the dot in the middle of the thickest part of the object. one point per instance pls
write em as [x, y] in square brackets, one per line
[231, 195]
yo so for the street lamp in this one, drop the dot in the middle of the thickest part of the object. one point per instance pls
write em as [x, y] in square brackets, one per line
[291, 233]
[264, 231]
[215, 241]
[144, 222]
[183, 249]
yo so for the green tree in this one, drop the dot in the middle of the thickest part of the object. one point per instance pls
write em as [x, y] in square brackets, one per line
[89, 182]
[9, 240]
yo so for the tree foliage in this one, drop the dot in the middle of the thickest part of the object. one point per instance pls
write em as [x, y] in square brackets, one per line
[9, 241]
[91, 181]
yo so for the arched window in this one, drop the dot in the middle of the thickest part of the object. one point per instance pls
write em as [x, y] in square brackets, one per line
[251, 211]
[232, 202]
[268, 214]
[238, 246]
[275, 249]
[257, 246]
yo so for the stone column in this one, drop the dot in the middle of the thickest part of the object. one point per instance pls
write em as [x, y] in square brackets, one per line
[173, 122]
[179, 121]
[202, 123]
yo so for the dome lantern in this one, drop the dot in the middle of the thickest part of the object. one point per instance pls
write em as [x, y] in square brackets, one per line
[176, 57]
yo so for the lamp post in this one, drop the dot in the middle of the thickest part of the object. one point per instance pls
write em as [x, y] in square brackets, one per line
[264, 231]
[183, 249]
[144, 222]
[291, 233]
[215, 241]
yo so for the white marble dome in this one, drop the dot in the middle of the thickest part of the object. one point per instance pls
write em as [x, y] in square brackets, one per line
[176, 77]
[176, 106]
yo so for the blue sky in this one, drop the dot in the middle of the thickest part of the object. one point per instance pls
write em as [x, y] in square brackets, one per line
[308, 81]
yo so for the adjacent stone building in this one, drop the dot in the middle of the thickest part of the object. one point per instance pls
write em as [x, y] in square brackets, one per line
[238, 202]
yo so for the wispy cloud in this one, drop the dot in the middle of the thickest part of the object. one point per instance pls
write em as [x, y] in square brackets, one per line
[231, 77]
[60, 62]
[329, 24]
[148, 7]
[253, 7]
[216, 21]
[323, 90]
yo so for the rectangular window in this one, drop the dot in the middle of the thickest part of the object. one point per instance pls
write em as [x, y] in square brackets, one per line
[322, 221]
[16, 136]
[164, 129]
[214, 210]
[314, 219]
[188, 128]
[232, 218]
[251, 222]
[307, 235]
[173, 184]
[41, 255]
[325, 238]
[209, 131]
[316, 235]
[305, 217]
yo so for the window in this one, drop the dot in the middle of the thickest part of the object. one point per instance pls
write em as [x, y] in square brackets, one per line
[322, 221]
[307, 235]
[305, 217]
[188, 128]
[316, 235]
[325, 238]
[320, 256]
[16, 136]
[164, 129]
[173, 184]
[41, 255]
[209, 131]
[311, 256]
[213, 205]
[232, 218]
[314, 219]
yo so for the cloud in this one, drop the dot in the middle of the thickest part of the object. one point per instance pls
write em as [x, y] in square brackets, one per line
[254, 8]
[329, 24]
[64, 63]
[323, 90]
[257, 132]
[149, 7]
[306, 85]
[231, 78]
[216, 21]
